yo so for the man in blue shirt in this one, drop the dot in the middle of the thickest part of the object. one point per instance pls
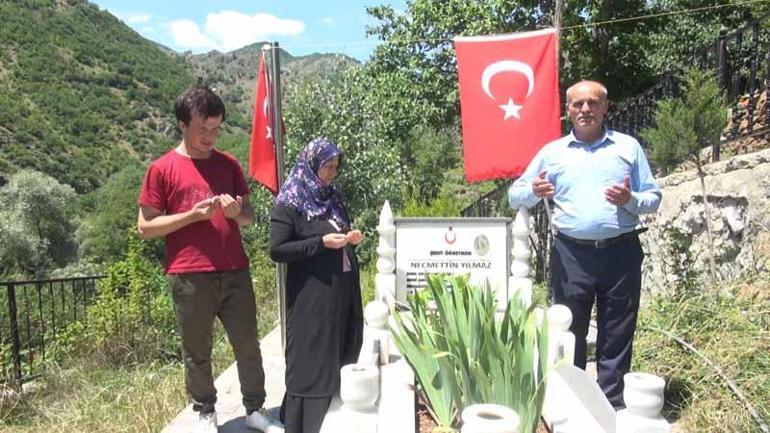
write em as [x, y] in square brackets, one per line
[600, 182]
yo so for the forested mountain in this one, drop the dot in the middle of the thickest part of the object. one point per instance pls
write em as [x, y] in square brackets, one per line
[81, 92]
[234, 74]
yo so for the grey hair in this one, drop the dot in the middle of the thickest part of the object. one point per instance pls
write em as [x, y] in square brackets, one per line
[583, 82]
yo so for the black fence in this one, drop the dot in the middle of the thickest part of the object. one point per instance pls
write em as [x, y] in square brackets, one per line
[33, 314]
[740, 61]
[637, 113]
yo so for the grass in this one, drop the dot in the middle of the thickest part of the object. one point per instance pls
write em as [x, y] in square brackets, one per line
[732, 329]
[88, 395]
[96, 399]
[368, 290]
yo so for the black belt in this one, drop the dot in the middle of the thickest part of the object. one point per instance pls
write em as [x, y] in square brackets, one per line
[601, 243]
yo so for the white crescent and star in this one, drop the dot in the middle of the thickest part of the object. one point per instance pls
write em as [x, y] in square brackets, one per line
[510, 109]
[269, 129]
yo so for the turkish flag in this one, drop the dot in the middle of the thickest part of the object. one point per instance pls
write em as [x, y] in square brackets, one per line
[262, 161]
[509, 100]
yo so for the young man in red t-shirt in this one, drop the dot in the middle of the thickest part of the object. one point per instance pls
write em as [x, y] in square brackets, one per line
[197, 198]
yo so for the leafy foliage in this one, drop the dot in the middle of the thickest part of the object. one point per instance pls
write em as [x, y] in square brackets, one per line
[438, 207]
[598, 41]
[683, 126]
[430, 155]
[462, 354]
[417, 46]
[673, 135]
[132, 318]
[35, 225]
[679, 39]
[345, 111]
[108, 213]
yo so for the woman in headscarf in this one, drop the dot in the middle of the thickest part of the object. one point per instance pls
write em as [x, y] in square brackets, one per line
[310, 231]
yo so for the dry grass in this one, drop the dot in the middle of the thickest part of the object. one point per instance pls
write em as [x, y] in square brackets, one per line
[89, 396]
[731, 330]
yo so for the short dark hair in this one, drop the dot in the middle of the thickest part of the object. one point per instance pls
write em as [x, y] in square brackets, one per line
[199, 100]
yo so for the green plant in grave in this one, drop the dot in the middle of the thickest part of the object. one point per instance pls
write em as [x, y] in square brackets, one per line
[462, 354]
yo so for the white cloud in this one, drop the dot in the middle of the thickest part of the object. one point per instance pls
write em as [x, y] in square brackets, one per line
[131, 17]
[329, 21]
[187, 34]
[137, 18]
[228, 30]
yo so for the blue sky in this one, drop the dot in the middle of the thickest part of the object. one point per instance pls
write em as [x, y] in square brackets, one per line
[300, 27]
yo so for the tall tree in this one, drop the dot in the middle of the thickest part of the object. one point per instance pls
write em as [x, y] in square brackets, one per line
[685, 126]
[108, 213]
[602, 40]
[680, 37]
[349, 111]
[36, 229]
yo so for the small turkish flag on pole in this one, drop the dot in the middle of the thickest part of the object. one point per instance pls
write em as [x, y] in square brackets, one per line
[509, 99]
[262, 161]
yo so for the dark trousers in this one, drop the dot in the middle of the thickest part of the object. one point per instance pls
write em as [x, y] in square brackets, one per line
[198, 298]
[303, 414]
[612, 276]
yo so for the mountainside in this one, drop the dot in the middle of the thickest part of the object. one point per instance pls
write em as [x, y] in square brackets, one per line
[80, 92]
[234, 74]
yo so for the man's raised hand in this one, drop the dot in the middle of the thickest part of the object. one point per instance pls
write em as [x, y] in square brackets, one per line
[542, 188]
[619, 194]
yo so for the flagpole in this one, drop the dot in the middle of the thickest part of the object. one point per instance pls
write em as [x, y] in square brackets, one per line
[277, 125]
[558, 13]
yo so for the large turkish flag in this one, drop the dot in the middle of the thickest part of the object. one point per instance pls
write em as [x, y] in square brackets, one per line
[509, 99]
[262, 160]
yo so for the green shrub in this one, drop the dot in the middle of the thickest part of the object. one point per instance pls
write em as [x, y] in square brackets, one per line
[443, 206]
[132, 318]
[463, 355]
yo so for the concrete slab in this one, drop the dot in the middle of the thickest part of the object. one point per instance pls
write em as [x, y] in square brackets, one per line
[394, 411]
[574, 403]
[230, 410]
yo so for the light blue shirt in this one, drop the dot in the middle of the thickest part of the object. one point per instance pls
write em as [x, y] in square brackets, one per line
[580, 172]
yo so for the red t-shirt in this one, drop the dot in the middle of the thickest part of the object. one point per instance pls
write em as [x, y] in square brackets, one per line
[175, 183]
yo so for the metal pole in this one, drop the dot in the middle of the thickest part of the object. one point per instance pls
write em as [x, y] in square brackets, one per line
[277, 120]
[558, 13]
[720, 59]
[16, 345]
[557, 23]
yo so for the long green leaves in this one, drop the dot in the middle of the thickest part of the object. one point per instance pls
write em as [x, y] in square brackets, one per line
[462, 354]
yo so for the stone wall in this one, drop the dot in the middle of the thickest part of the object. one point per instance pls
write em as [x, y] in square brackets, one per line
[738, 193]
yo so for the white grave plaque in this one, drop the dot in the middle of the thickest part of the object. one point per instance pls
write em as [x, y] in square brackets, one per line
[475, 246]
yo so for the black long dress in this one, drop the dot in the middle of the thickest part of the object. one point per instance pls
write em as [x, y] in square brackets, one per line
[324, 315]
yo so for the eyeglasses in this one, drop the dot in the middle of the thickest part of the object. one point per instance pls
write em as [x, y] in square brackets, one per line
[331, 165]
[208, 132]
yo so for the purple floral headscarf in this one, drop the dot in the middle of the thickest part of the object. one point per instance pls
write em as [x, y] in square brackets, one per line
[304, 191]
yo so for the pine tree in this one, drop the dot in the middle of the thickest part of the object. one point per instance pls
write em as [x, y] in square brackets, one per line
[684, 126]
